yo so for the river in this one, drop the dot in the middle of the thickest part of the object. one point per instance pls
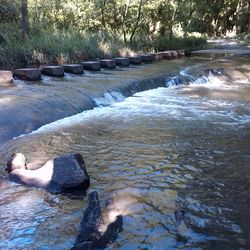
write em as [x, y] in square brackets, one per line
[181, 147]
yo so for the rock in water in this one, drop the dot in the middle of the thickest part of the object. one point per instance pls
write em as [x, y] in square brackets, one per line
[57, 175]
[16, 161]
[90, 235]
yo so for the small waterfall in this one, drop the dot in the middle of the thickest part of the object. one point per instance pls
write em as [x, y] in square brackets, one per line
[109, 98]
[185, 78]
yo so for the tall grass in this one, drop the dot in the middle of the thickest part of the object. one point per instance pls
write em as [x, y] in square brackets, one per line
[47, 46]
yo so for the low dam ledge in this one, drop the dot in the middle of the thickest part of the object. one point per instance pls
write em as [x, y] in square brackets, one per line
[26, 106]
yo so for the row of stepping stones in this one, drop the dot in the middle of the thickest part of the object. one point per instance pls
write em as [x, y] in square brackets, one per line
[34, 74]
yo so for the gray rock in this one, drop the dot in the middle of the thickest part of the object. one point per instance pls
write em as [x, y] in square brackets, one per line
[56, 71]
[73, 68]
[91, 65]
[108, 63]
[28, 74]
[136, 60]
[5, 78]
[57, 175]
[122, 61]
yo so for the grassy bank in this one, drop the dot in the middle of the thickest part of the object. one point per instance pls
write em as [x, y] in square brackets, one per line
[47, 46]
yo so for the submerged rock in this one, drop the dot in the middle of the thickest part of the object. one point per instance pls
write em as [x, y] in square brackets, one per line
[57, 175]
[96, 232]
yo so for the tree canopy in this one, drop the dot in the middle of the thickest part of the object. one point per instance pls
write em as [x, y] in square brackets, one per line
[135, 18]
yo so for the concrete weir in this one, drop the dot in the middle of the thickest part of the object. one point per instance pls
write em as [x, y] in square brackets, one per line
[26, 107]
[73, 68]
[28, 74]
[91, 65]
[56, 71]
[6, 78]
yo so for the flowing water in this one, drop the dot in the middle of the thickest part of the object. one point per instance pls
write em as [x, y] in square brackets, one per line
[176, 148]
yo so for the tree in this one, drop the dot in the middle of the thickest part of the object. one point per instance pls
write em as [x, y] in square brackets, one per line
[25, 19]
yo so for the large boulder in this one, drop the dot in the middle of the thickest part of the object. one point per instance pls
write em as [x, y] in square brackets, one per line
[91, 235]
[56, 175]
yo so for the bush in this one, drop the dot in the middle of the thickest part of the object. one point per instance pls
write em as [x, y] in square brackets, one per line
[189, 42]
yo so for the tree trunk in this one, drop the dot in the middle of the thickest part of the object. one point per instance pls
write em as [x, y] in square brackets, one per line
[25, 20]
[136, 24]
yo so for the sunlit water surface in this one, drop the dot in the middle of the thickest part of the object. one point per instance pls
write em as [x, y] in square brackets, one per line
[183, 147]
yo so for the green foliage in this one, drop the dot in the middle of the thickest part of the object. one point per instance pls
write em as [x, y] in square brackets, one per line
[189, 42]
[9, 10]
[62, 30]
[50, 46]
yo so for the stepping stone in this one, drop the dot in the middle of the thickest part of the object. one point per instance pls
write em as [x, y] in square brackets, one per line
[181, 52]
[157, 56]
[187, 52]
[108, 63]
[73, 68]
[28, 74]
[6, 78]
[122, 61]
[57, 71]
[135, 60]
[147, 58]
[91, 65]
[166, 55]
[174, 53]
